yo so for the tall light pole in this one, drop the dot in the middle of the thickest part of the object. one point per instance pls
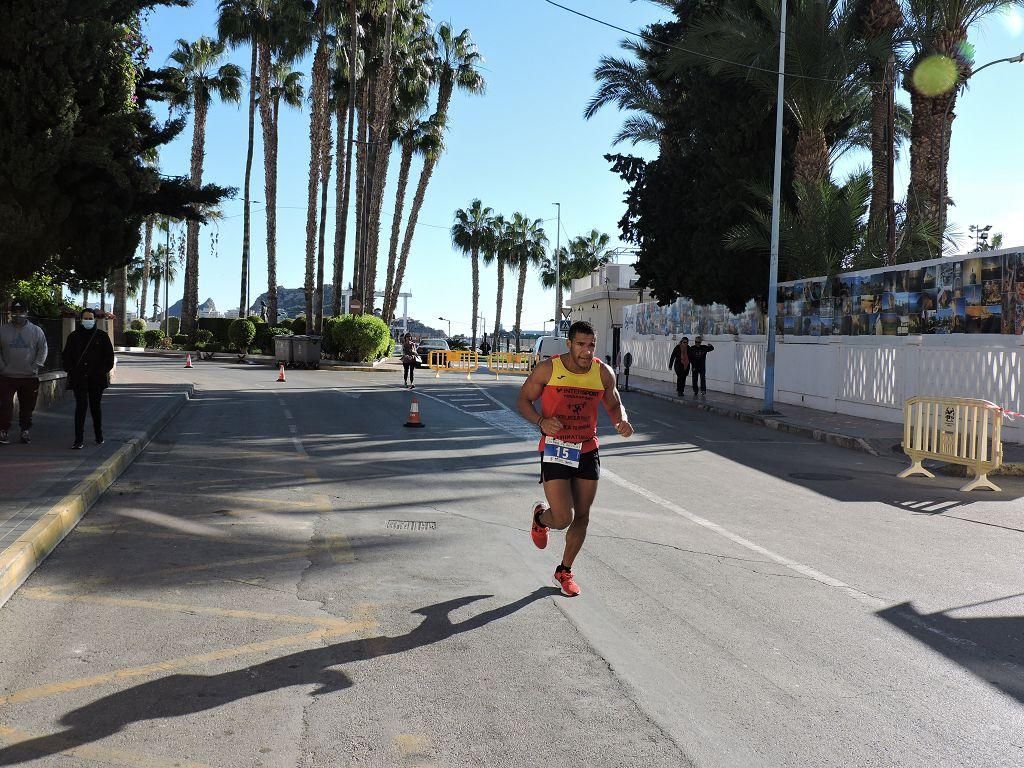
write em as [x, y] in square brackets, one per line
[449, 325]
[773, 279]
[558, 268]
[167, 264]
[944, 144]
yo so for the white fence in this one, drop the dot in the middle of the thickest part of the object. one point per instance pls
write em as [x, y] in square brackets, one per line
[866, 376]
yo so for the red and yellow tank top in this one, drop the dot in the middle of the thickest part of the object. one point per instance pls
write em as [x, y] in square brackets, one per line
[573, 399]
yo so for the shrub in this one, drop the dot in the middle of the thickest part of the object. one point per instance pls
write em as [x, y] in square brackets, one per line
[299, 325]
[153, 337]
[265, 334]
[241, 333]
[166, 343]
[219, 326]
[361, 339]
[284, 322]
[327, 343]
[137, 325]
[133, 338]
[173, 325]
[180, 339]
[257, 319]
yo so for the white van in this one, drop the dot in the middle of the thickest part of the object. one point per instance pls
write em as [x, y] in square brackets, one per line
[548, 346]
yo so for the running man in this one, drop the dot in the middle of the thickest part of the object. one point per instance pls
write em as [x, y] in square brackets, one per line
[570, 387]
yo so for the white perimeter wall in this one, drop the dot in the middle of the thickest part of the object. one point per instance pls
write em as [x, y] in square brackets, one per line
[869, 376]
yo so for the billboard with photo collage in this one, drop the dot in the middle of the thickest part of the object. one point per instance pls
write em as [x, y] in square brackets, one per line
[976, 293]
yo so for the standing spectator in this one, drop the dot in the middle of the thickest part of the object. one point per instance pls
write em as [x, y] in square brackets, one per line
[88, 359]
[23, 352]
[698, 360]
[680, 363]
[409, 360]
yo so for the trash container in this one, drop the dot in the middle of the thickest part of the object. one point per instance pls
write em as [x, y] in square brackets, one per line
[284, 350]
[306, 351]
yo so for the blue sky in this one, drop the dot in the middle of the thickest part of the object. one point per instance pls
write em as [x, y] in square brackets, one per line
[524, 145]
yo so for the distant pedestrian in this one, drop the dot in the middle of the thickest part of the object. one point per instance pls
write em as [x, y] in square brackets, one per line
[680, 363]
[485, 348]
[88, 359]
[23, 352]
[410, 360]
[698, 360]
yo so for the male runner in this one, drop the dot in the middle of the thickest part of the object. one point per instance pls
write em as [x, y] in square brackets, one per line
[570, 387]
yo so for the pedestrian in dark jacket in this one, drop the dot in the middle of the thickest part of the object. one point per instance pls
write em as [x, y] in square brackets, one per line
[88, 358]
[680, 363]
[698, 360]
[22, 354]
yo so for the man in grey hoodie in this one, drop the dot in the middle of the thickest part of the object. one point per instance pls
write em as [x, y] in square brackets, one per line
[22, 353]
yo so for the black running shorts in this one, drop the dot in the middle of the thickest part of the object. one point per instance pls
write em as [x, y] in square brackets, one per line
[589, 468]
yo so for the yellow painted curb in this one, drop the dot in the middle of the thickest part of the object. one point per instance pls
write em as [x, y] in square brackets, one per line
[20, 559]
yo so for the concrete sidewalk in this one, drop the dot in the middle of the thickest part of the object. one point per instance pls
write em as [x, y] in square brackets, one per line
[878, 438]
[46, 488]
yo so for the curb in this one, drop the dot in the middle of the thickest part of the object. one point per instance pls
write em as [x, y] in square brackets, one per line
[20, 559]
[822, 436]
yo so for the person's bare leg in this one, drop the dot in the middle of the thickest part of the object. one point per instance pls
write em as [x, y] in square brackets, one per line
[583, 494]
[559, 510]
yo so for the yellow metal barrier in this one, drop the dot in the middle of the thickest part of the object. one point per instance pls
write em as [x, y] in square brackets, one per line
[501, 363]
[510, 363]
[958, 430]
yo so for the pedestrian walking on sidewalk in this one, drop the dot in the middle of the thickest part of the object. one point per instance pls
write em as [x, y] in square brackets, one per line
[88, 359]
[698, 360]
[570, 387]
[680, 363]
[23, 353]
[409, 360]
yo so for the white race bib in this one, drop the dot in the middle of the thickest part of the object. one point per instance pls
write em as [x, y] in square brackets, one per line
[559, 452]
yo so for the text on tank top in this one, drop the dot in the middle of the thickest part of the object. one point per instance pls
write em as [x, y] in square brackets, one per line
[573, 399]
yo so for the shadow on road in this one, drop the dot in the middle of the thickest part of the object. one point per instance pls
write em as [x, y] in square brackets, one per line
[178, 695]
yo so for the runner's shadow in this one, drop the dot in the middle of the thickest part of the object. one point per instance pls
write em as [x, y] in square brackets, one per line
[177, 695]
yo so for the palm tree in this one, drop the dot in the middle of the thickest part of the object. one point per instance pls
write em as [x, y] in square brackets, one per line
[345, 69]
[578, 259]
[456, 65]
[496, 250]
[200, 75]
[469, 234]
[628, 85]
[413, 138]
[528, 246]
[243, 22]
[938, 27]
[160, 253]
[147, 256]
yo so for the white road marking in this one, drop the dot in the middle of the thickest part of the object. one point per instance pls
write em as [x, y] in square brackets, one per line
[288, 414]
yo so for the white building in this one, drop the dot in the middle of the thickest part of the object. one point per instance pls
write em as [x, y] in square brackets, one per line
[599, 298]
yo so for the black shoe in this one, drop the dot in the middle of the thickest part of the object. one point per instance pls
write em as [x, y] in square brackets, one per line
[99, 440]
[25, 437]
[4, 437]
[79, 445]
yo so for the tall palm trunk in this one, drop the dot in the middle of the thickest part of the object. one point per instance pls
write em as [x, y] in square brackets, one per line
[157, 279]
[120, 303]
[523, 269]
[408, 148]
[500, 300]
[316, 117]
[362, 175]
[147, 260]
[929, 156]
[342, 182]
[190, 300]
[267, 122]
[382, 155]
[243, 301]
[325, 178]
[476, 293]
[810, 157]
[341, 224]
[410, 230]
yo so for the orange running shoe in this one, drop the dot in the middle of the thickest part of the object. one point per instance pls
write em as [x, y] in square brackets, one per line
[568, 584]
[538, 532]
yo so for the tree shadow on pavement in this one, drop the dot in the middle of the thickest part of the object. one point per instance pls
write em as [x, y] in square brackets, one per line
[987, 646]
[178, 695]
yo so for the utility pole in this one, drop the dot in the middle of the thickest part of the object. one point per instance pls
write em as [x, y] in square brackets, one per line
[890, 161]
[558, 270]
[773, 279]
[167, 262]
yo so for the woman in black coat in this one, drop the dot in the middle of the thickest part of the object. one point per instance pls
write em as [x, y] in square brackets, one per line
[680, 363]
[88, 359]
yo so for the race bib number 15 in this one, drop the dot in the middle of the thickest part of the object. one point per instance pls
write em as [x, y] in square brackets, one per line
[558, 452]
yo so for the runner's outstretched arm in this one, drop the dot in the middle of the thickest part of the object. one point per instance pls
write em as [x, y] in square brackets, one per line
[613, 403]
[530, 392]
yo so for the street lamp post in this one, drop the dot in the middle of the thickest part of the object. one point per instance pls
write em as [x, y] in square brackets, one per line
[980, 235]
[944, 143]
[558, 268]
[773, 278]
[449, 325]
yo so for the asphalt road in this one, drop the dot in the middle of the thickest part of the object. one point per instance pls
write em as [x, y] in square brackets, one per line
[289, 577]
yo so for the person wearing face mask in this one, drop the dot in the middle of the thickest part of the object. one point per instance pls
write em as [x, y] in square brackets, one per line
[23, 352]
[88, 359]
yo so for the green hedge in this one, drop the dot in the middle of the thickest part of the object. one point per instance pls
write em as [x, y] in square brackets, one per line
[299, 325]
[133, 338]
[242, 332]
[362, 338]
[137, 325]
[153, 337]
[220, 327]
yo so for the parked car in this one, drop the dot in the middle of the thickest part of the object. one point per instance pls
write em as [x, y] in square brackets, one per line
[431, 345]
[546, 347]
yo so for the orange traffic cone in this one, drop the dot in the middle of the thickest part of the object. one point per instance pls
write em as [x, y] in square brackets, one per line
[414, 414]
[280, 373]
[188, 359]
